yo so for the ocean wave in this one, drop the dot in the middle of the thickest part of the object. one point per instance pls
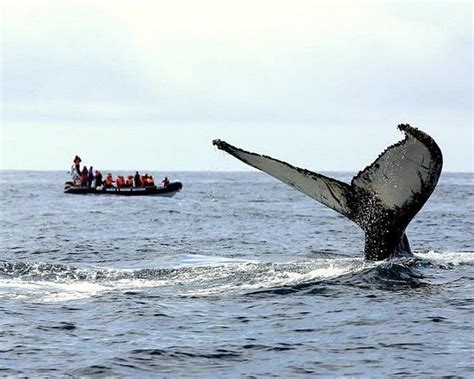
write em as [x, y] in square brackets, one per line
[197, 276]
[447, 257]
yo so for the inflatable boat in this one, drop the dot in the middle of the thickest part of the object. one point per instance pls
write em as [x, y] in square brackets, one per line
[170, 190]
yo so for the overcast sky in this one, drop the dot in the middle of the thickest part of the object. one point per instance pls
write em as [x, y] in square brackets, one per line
[149, 84]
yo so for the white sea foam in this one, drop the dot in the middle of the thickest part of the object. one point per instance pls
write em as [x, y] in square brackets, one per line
[49, 291]
[252, 276]
[448, 257]
[197, 275]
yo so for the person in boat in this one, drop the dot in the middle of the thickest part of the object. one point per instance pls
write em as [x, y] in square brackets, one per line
[76, 164]
[84, 176]
[149, 181]
[137, 179]
[129, 181]
[165, 182]
[108, 182]
[98, 178]
[120, 182]
[90, 176]
[76, 170]
[94, 178]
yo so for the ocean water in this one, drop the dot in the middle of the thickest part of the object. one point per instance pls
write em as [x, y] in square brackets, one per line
[238, 275]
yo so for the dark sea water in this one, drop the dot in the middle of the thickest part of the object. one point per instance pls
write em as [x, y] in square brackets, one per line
[238, 275]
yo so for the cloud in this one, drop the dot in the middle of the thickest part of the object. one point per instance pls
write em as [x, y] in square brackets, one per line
[361, 67]
[164, 61]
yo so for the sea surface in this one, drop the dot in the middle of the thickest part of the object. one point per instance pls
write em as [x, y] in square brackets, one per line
[238, 275]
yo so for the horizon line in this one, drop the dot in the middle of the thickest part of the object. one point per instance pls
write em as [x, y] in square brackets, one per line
[203, 171]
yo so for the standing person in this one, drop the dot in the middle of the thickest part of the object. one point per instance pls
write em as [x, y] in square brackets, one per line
[90, 177]
[165, 182]
[76, 169]
[84, 176]
[77, 161]
[137, 179]
[98, 178]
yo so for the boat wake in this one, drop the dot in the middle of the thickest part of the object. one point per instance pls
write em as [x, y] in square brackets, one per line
[199, 276]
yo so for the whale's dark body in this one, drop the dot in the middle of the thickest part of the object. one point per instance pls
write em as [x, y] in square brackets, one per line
[382, 199]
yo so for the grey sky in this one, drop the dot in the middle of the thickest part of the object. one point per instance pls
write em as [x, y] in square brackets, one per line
[321, 84]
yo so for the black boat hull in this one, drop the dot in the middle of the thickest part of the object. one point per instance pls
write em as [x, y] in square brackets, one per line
[168, 191]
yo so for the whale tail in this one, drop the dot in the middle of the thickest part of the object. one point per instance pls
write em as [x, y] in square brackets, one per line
[382, 199]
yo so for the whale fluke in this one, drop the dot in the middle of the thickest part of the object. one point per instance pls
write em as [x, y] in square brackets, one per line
[382, 199]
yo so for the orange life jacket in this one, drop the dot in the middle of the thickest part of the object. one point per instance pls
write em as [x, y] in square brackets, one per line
[150, 181]
[108, 181]
[119, 181]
